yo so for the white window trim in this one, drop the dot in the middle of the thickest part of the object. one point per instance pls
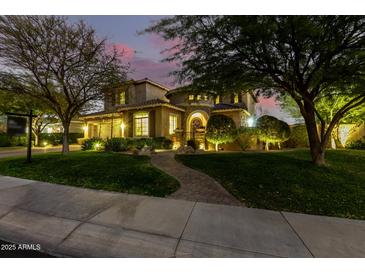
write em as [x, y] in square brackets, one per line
[134, 123]
[172, 131]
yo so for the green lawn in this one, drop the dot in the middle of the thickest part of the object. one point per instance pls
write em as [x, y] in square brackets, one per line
[98, 170]
[288, 181]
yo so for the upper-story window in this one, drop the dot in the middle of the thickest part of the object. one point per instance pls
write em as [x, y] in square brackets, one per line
[172, 123]
[205, 97]
[236, 99]
[140, 124]
[191, 97]
[217, 99]
[122, 100]
[198, 97]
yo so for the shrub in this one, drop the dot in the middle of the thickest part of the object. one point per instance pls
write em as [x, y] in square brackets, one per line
[247, 137]
[116, 144]
[19, 140]
[56, 138]
[124, 144]
[271, 130]
[192, 143]
[94, 143]
[5, 140]
[162, 143]
[221, 130]
[358, 144]
[298, 137]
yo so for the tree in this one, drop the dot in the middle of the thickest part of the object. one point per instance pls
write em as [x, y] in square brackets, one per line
[272, 131]
[327, 106]
[305, 57]
[220, 130]
[63, 65]
[13, 102]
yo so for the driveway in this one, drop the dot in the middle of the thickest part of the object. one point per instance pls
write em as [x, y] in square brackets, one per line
[12, 152]
[75, 222]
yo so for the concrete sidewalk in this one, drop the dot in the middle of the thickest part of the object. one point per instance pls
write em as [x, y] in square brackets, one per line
[75, 222]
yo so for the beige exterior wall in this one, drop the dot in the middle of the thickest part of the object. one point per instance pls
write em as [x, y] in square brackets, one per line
[107, 127]
[153, 92]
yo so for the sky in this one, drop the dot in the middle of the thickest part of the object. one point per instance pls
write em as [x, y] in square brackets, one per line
[144, 52]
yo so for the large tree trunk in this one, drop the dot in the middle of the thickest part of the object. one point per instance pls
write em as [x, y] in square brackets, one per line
[317, 149]
[216, 147]
[267, 144]
[336, 136]
[65, 145]
[36, 139]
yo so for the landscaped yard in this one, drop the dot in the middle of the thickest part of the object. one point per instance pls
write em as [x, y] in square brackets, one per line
[98, 170]
[288, 181]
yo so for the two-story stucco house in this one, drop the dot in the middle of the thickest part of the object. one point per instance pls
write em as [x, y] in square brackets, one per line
[145, 108]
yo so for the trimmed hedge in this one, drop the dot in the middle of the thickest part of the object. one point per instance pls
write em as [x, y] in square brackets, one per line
[56, 138]
[298, 137]
[358, 144]
[124, 144]
[7, 141]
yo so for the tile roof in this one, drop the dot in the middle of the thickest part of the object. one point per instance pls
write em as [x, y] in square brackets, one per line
[225, 106]
[149, 103]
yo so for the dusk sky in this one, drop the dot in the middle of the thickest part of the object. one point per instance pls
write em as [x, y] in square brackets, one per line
[143, 52]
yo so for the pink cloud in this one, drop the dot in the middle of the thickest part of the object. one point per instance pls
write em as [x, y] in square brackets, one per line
[166, 47]
[124, 50]
[157, 71]
[268, 102]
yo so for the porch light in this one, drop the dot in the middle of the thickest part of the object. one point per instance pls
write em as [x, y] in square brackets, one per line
[250, 122]
[84, 128]
[45, 144]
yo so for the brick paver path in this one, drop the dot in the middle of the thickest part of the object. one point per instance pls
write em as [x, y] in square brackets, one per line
[195, 185]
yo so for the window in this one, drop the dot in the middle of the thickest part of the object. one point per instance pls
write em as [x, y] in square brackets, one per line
[172, 123]
[235, 100]
[122, 98]
[217, 99]
[205, 97]
[141, 124]
[198, 97]
[191, 97]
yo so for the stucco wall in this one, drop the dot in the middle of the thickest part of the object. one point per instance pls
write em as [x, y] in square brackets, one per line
[153, 92]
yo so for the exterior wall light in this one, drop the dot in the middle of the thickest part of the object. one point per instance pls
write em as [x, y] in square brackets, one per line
[250, 122]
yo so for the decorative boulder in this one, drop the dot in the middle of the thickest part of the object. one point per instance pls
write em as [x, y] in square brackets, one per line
[185, 150]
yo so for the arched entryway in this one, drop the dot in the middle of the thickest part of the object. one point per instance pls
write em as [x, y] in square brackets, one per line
[196, 124]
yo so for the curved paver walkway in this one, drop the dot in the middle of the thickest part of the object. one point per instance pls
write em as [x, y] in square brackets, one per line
[195, 185]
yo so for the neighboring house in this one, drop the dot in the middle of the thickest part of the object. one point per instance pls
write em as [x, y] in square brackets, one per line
[145, 108]
[76, 126]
